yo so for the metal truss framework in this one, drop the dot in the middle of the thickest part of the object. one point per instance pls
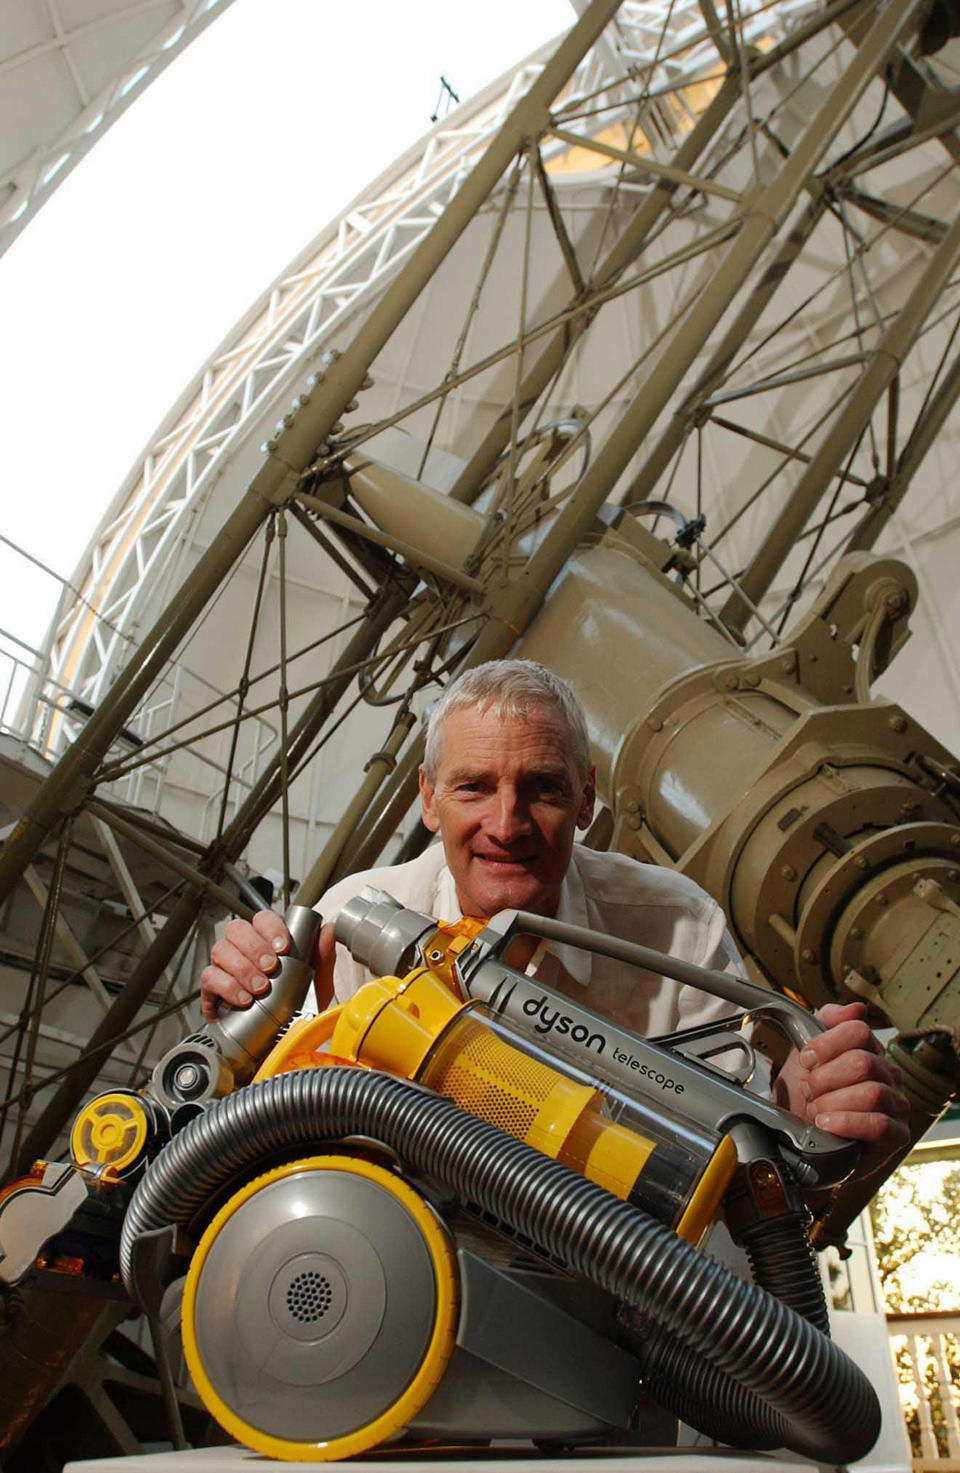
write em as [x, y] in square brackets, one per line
[310, 308]
[30, 179]
[721, 186]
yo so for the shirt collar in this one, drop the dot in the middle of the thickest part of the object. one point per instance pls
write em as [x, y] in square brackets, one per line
[572, 909]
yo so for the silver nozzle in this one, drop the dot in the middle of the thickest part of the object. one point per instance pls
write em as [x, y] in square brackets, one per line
[379, 932]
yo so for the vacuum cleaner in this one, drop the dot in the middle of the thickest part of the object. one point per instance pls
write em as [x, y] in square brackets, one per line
[460, 1207]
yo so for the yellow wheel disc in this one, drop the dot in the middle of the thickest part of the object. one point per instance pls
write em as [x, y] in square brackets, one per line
[110, 1131]
[320, 1309]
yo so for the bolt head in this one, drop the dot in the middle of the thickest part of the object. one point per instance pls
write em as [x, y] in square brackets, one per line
[632, 806]
[731, 680]
[787, 664]
[897, 723]
[860, 861]
[788, 872]
[856, 933]
[882, 900]
[808, 955]
[953, 874]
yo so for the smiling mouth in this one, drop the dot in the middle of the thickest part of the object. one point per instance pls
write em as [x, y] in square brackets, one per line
[508, 861]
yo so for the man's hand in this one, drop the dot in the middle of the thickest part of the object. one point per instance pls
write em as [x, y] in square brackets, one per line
[841, 1082]
[241, 963]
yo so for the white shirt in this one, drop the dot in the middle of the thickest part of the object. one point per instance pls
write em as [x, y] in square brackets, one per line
[605, 892]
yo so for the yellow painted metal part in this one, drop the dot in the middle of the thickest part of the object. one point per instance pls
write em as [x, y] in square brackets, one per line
[425, 1377]
[110, 1131]
[703, 1207]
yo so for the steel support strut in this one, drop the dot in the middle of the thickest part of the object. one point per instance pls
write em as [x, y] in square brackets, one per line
[845, 433]
[922, 437]
[733, 339]
[626, 249]
[231, 843]
[67, 786]
[764, 214]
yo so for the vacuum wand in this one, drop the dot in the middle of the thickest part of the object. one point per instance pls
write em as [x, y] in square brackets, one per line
[227, 1053]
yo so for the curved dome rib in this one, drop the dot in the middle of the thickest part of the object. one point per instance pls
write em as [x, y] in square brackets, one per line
[54, 103]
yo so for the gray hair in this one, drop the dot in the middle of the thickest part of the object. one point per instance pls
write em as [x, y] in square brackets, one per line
[509, 688]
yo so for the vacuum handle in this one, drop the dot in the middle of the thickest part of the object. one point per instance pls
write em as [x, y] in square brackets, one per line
[795, 1022]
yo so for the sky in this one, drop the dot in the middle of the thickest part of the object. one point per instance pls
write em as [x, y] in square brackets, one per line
[249, 143]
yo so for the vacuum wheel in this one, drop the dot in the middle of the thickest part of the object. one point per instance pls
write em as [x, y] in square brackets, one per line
[320, 1309]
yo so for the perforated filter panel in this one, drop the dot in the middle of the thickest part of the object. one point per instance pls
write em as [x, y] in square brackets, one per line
[490, 1079]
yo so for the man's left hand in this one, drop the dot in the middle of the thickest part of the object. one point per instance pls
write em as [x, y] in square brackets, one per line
[841, 1082]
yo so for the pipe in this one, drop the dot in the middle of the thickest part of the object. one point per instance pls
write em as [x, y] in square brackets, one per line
[829, 1409]
[415, 556]
[377, 769]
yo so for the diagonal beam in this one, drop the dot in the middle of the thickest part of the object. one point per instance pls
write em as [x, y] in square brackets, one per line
[845, 433]
[646, 164]
[621, 255]
[76, 952]
[130, 893]
[909, 222]
[924, 433]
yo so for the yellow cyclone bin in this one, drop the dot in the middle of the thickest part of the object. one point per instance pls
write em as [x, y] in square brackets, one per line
[415, 1027]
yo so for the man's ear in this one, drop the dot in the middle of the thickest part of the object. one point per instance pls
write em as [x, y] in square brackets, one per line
[428, 804]
[589, 797]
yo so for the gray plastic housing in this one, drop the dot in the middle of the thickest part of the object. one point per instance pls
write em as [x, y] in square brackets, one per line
[221, 1055]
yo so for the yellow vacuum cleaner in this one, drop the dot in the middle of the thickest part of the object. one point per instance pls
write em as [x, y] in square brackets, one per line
[462, 1207]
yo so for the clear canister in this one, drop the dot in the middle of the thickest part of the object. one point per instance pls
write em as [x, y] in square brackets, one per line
[642, 1154]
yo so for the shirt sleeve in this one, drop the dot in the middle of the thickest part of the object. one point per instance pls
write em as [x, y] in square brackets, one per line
[720, 954]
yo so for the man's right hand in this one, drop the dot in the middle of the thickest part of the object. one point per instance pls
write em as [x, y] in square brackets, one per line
[243, 959]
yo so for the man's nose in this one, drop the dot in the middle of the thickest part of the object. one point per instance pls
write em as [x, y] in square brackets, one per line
[507, 818]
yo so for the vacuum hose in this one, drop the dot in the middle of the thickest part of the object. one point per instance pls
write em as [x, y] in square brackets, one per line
[828, 1408]
[677, 1377]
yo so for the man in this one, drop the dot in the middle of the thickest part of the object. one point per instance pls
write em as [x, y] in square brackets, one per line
[506, 782]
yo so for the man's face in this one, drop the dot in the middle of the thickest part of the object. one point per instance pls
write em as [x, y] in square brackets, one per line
[507, 801]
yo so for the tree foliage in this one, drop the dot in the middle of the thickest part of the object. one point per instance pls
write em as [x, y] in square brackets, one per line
[916, 1228]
